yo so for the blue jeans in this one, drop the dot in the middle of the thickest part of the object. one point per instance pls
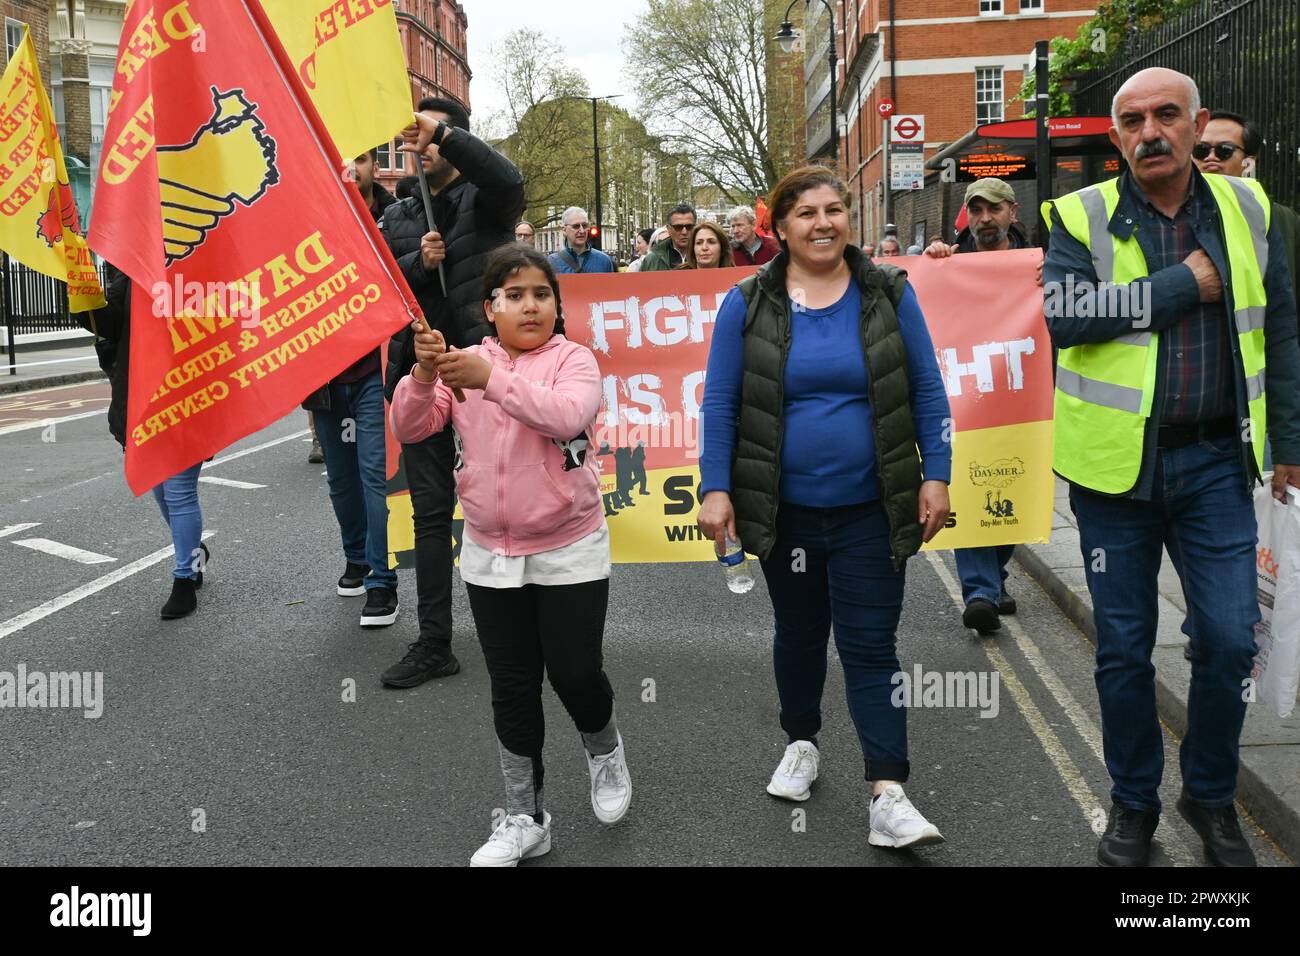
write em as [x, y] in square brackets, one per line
[983, 571]
[842, 574]
[1203, 513]
[178, 499]
[351, 436]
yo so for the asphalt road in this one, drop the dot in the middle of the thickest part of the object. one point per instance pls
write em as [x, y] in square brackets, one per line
[225, 738]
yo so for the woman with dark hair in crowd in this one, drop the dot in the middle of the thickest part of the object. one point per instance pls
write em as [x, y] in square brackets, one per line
[709, 248]
[826, 454]
[535, 548]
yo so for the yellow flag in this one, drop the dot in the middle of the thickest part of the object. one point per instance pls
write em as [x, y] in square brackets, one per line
[349, 57]
[39, 225]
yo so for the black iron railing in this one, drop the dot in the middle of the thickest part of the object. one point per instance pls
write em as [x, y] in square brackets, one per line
[1243, 56]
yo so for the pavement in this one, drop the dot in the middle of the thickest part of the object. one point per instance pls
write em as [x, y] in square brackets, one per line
[256, 732]
[1269, 776]
[38, 368]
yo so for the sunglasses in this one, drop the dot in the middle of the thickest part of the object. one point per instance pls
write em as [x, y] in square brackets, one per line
[1221, 150]
[681, 227]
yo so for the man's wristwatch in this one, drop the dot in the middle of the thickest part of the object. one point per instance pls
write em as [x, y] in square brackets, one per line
[440, 133]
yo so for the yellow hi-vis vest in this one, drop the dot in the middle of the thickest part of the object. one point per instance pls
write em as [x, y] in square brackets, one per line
[1104, 391]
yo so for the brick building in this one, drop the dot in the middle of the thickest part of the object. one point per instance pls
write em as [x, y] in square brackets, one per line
[31, 13]
[437, 63]
[957, 62]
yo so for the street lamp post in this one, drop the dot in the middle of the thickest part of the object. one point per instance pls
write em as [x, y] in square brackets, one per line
[785, 39]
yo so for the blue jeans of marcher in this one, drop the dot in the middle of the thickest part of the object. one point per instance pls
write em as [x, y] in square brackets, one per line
[178, 499]
[832, 566]
[1203, 513]
[983, 571]
[351, 436]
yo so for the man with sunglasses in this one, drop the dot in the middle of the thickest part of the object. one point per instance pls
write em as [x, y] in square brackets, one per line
[1230, 147]
[671, 252]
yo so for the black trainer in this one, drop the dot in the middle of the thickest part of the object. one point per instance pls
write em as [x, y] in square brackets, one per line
[182, 601]
[423, 661]
[1127, 840]
[981, 615]
[1219, 830]
[353, 582]
[1006, 603]
[380, 609]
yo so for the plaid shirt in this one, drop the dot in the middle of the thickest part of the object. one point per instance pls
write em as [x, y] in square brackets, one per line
[1194, 360]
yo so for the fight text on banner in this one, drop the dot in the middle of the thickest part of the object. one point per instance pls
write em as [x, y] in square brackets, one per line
[349, 57]
[651, 336]
[257, 273]
[39, 225]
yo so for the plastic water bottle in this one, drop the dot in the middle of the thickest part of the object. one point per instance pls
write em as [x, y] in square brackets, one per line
[736, 567]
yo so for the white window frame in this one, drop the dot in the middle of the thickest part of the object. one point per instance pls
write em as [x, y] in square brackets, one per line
[13, 36]
[991, 8]
[1033, 6]
[980, 100]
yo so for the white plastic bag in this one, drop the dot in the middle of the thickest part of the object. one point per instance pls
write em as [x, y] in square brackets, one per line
[1277, 568]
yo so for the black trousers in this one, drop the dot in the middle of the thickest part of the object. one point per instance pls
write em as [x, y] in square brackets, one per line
[429, 467]
[534, 629]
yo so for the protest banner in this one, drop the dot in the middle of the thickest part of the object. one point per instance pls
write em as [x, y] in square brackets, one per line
[258, 273]
[39, 224]
[650, 333]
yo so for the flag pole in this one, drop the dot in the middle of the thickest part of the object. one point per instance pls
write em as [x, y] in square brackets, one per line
[433, 227]
[11, 330]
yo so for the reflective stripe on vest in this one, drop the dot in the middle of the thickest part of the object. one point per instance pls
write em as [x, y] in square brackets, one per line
[1104, 391]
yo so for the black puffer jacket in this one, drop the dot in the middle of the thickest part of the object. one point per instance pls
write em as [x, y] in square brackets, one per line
[475, 214]
[113, 347]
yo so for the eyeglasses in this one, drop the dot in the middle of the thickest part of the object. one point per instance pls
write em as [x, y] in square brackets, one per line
[1222, 150]
[680, 227]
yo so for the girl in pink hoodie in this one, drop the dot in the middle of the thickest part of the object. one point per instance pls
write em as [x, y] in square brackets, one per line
[535, 549]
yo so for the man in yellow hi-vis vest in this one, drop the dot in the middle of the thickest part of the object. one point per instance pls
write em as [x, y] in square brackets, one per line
[1167, 293]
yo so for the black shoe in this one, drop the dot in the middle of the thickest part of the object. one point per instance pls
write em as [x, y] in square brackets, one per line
[1006, 603]
[1127, 840]
[982, 615]
[1219, 830]
[315, 456]
[182, 601]
[353, 582]
[207, 556]
[380, 609]
[423, 661]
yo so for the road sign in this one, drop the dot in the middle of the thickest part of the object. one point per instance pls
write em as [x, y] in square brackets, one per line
[907, 129]
[907, 166]
[886, 107]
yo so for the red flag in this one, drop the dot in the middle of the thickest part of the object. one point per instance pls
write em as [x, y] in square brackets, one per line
[258, 273]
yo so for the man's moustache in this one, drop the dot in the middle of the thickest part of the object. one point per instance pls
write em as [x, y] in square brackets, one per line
[1158, 147]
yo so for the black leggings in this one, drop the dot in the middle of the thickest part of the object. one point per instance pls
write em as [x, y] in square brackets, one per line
[557, 628]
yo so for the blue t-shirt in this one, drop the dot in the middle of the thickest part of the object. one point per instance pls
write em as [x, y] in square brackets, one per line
[592, 260]
[828, 451]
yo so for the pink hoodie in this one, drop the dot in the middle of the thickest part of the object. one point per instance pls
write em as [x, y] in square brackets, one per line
[528, 479]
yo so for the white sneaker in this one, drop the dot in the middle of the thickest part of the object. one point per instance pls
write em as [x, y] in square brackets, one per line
[519, 837]
[798, 769]
[611, 786]
[895, 822]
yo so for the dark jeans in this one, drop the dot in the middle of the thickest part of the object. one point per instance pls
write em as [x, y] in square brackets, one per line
[351, 436]
[557, 630]
[983, 571]
[1202, 512]
[429, 475]
[844, 576]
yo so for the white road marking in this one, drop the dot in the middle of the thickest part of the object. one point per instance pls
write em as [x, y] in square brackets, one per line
[54, 605]
[66, 551]
[46, 422]
[16, 528]
[1093, 814]
[229, 482]
[248, 451]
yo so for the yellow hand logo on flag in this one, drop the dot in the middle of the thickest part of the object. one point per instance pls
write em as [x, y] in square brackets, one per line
[230, 159]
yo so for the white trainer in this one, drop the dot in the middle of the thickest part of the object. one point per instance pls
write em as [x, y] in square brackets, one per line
[895, 822]
[519, 837]
[611, 785]
[795, 774]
